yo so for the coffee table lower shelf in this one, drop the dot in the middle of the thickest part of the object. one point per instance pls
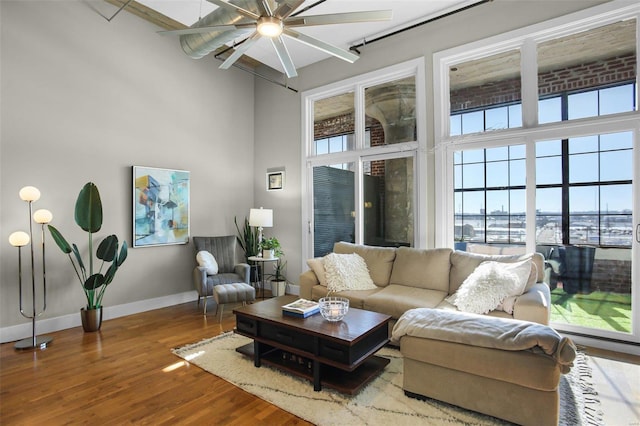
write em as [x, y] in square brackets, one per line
[349, 382]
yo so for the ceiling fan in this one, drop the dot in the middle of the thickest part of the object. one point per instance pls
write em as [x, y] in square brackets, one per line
[272, 21]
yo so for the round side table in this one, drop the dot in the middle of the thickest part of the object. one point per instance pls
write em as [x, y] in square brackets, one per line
[262, 260]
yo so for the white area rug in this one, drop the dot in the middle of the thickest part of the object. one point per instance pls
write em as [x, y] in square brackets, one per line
[382, 402]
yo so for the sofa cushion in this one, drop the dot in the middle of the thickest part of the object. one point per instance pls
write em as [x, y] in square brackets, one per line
[379, 260]
[523, 368]
[420, 268]
[490, 284]
[464, 263]
[346, 272]
[317, 266]
[396, 299]
[446, 305]
[356, 297]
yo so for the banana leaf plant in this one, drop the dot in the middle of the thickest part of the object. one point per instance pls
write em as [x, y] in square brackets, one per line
[88, 216]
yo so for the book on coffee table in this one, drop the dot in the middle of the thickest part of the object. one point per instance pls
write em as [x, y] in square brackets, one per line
[301, 308]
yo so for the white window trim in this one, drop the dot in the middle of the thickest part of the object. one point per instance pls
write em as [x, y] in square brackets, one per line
[414, 67]
[526, 39]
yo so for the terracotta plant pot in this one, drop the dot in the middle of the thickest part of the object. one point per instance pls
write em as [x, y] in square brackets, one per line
[91, 319]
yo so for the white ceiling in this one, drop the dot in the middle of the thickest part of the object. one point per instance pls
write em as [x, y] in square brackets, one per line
[405, 14]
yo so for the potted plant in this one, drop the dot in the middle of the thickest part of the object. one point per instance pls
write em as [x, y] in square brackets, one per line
[269, 247]
[279, 281]
[248, 238]
[88, 215]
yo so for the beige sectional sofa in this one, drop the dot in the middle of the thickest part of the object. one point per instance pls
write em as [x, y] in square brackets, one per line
[472, 366]
[408, 278]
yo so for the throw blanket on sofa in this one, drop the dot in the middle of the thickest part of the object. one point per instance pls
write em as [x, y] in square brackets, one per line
[486, 331]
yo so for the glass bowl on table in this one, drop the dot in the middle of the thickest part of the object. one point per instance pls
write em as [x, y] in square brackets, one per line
[333, 308]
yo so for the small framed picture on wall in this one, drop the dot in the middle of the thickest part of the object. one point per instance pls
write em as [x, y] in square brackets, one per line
[275, 181]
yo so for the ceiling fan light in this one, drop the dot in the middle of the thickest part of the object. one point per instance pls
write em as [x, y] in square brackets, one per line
[269, 26]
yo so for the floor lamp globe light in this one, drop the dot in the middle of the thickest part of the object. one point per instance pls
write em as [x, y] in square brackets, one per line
[20, 239]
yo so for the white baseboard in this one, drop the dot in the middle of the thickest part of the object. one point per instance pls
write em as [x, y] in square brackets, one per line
[627, 348]
[23, 331]
[49, 325]
[293, 289]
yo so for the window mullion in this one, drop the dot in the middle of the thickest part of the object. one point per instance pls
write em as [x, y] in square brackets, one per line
[359, 124]
[529, 76]
[565, 192]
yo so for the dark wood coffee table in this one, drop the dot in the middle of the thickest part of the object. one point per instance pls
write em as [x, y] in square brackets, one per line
[339, 354]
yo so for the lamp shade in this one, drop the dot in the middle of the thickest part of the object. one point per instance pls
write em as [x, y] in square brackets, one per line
[19, 239]
[261, 217]
[42, 216]
[29, 193]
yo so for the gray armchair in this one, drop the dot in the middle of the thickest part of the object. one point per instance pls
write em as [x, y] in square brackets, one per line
[229, 269]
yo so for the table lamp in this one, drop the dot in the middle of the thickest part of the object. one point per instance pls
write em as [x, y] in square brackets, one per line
[261, 218]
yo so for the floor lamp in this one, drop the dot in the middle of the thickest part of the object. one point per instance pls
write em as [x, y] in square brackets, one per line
[20, 239]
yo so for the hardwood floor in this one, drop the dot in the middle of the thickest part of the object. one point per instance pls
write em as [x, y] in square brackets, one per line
[116, 376]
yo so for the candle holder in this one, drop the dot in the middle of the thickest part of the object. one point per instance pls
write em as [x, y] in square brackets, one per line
[20, 239]
[333, 308]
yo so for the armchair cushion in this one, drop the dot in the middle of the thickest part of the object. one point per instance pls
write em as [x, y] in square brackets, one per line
[207, 261]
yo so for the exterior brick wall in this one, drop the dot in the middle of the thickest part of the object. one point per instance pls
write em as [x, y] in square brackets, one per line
[340, 125]
[582, 76]
[345, 124]
[611, 275]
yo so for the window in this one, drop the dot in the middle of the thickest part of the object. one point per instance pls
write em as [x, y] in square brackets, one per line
[548, 160]
[485, 94]
[591, 201]
[574, 64]
[489, 195]
[338, 143]
[363, 162]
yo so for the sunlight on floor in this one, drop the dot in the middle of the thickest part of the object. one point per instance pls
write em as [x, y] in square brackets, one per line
[185, 363]
[175, 366]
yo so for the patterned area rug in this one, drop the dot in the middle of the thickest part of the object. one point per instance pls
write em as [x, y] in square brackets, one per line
[382, 402]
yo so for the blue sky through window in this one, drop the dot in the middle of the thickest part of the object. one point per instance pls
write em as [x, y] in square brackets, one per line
[489, 183]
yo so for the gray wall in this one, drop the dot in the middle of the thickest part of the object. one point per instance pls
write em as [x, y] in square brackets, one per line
[480, 22]
[84, 100]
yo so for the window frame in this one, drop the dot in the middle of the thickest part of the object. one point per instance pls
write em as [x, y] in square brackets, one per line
[526, 39]
[412, 68]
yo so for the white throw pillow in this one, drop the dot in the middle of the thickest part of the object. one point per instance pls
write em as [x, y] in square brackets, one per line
[347, 272]
[317, 266]
[207, 261]
[490, 284]
[526, 271]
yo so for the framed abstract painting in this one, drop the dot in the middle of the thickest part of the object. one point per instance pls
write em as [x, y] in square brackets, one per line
[160, 206]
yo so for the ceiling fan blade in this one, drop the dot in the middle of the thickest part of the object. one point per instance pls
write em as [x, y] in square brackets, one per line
[285, 58]
[200, 30]
[286, 8]
[266, 8]
[240, 51]
[319, 44]
[339, 18]
[237, 9]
